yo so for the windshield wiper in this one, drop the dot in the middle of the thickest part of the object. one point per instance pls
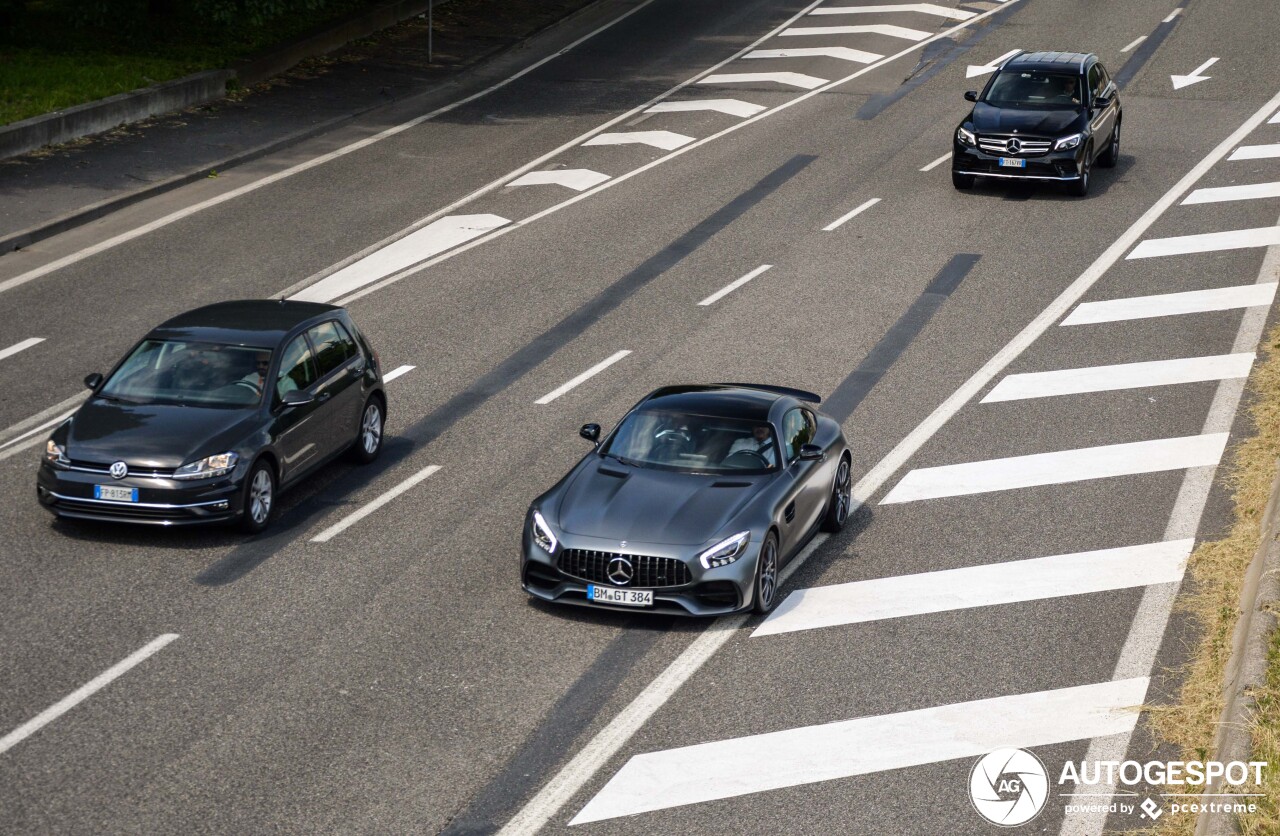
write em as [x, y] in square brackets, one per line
[621, 459]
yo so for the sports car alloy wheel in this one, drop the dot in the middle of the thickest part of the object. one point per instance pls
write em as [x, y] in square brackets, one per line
[767, 575]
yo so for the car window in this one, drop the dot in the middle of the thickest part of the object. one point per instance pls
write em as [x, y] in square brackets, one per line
[798, 429]
[1096, 84]
[297, 368]
[676, 440]
[1106, 76]
[334, 347]
[1033, 88]
[179, 372]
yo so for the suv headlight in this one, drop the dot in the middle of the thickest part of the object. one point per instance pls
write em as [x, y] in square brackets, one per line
[726, 551]
[542, 534]
[966, 137]
[208, 468]
[1067, 142]
[56, 455]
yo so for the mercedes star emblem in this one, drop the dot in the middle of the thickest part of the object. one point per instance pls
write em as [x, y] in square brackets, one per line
[620, 571]
[1014, 146]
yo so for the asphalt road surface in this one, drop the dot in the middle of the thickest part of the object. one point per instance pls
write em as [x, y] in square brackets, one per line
[1006, 583]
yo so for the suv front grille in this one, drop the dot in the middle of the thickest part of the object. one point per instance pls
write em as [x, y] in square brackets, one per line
[649, 572]
[997, 144]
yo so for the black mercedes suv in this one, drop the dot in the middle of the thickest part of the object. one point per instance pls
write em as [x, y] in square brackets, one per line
[1042, 116]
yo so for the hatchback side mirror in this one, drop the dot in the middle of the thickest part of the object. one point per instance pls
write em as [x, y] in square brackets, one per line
[811, 453]
[93, 381]
[971, 96]
[297, 397]
[591, 432]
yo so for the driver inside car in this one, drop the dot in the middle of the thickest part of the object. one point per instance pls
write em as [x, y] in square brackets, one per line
[759, 442]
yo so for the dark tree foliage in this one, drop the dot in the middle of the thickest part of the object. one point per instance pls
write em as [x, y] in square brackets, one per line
[136, 15]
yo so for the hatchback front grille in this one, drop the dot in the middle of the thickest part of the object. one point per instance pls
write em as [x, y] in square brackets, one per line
[649, 572]
[996, 144]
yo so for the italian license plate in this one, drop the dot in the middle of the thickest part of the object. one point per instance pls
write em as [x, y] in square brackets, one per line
[1012, 162]
[625, 597]
[115, 493]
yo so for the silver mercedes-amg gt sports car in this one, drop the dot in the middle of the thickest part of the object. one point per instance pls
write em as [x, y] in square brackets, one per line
[692, 505]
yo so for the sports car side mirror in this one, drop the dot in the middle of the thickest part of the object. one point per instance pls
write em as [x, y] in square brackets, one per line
[591, 432]
[811, 453]
[971, 95]
[93, 381]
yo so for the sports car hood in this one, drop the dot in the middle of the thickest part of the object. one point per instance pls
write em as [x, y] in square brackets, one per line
[645, 505]
[159, 436]
[990, 119]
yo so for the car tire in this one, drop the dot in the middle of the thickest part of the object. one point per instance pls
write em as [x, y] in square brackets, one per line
[768, 571]
[962, 181]
[368, 443]
[1080, 186]
[840, 501]
[259, 502]
[1111, 156]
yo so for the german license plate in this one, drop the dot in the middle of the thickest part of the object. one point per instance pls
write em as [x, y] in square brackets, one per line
[1012, 162]
[625, 597]
[115, 493]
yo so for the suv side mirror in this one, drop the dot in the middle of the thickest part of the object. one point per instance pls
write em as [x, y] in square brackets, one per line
[811, 453]
[971, 96]
[297, 397]
[1102, 101]
[93, 381]
[591, 432]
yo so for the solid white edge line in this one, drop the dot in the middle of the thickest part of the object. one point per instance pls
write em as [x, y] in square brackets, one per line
[931, 166]
[22, 346]
[85, 691]
[356, 516]
[1136, 41]
[397, 372]
[582, 378]
[840, 221]
[733, 285]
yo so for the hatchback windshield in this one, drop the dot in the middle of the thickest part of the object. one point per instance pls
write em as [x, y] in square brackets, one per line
[195, 373]
[1030, 88]
[684, 441]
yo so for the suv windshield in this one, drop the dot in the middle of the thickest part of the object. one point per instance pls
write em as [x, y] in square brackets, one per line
[199, 374]
[684, 441]
[1034, 88]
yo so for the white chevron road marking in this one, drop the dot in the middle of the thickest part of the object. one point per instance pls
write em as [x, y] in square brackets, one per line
[1018, 387]
[805, 82]
[922, 8]
[1256, 152]
[869, 29]
[578, 179]
[1207, 242]
[1173, 304]
[666, 140]
[732, 107]
[844, 53]
[1222, 194]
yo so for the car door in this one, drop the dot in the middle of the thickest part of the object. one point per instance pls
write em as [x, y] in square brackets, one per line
[296, 431]
[1102, 120]
[340, 366]
[805, 496]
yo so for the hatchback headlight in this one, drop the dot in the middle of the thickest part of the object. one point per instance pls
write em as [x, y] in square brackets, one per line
[56, 455]
[726, 551]
[966, 137]
[1067, 142]
[542, 534]
[208, 468]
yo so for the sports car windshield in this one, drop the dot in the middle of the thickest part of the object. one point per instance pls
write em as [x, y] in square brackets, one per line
[1031, 88]
[189, 373]
[685, 441]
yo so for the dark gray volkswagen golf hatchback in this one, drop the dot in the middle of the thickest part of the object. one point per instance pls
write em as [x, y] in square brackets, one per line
[214, 413]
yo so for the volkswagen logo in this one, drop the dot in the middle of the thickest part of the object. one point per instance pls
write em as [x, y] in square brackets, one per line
[1013, 146]
[118, 470]
[620, 571]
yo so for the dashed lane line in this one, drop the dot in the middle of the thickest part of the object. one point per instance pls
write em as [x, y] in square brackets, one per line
[356, 516]
[1173, 304]
[22, 346]
[931, 166]
[1017, 387]
[733, 285]
[1135, 43]
[397, 372]
[850, 215]
[582, 378]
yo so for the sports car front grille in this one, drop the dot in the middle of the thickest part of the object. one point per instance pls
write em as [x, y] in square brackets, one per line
[996, 144]
[649, 572]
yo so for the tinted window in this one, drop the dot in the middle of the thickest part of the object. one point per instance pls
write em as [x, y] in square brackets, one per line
[798, 429]
[334, 346]
[1029, 88]
[1106, 77]
[673, 440]
[297, 368]
[175, 372]
[1096, 84]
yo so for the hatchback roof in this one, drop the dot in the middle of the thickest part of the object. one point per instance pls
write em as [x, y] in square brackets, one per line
[1058, 61]
[261, 322]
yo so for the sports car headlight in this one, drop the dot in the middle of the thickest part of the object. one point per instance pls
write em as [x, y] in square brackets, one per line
[208, 468]
[56, 455]
[542, 534]
[966, 137]
[726, 551]
[1067, 142]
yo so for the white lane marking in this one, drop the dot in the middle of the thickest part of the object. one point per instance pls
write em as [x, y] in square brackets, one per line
[871, 29]
[435, 238]
[397, 372]
[990, 66]
[805, 82]
[733, 285]
[1207, 242]
[356, 516]
[22, 346]
[160, 223]
[838, 222]
[85, 691]
[578, 179]
[732, 107]
[1257, 152]
[25, 440]
[1172, 15]
[1221, 194]
[1134, 43]
[807, 755]
[609, 741]
[1039, 578]
[587, 375]
[931, 166]
[922, 8]
[844, 53]
[666, 140]
[1173, 304]
[1018, 387]
[1274, 120]
[1059, 467]
[1193, 77]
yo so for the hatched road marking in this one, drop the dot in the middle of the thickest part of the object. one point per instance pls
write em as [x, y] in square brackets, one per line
[1018, 387]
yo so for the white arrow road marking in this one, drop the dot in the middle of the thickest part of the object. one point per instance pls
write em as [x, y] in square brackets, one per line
[578, 179]
[870, 29]
[806, 82]
[922, 8]
[1059, 467]
[733, 285]
[666, 140]
[1018, 387]
[807, 755]
[582, 378]
[733, 107]
[1222, 194]
[22, 346]
[1207, 242]
[844, 53]
[432, 239]
[1257, 152]
[1180, 81]
[991, 67]
[356, 516]
[1173, 304]
[1059, 576]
